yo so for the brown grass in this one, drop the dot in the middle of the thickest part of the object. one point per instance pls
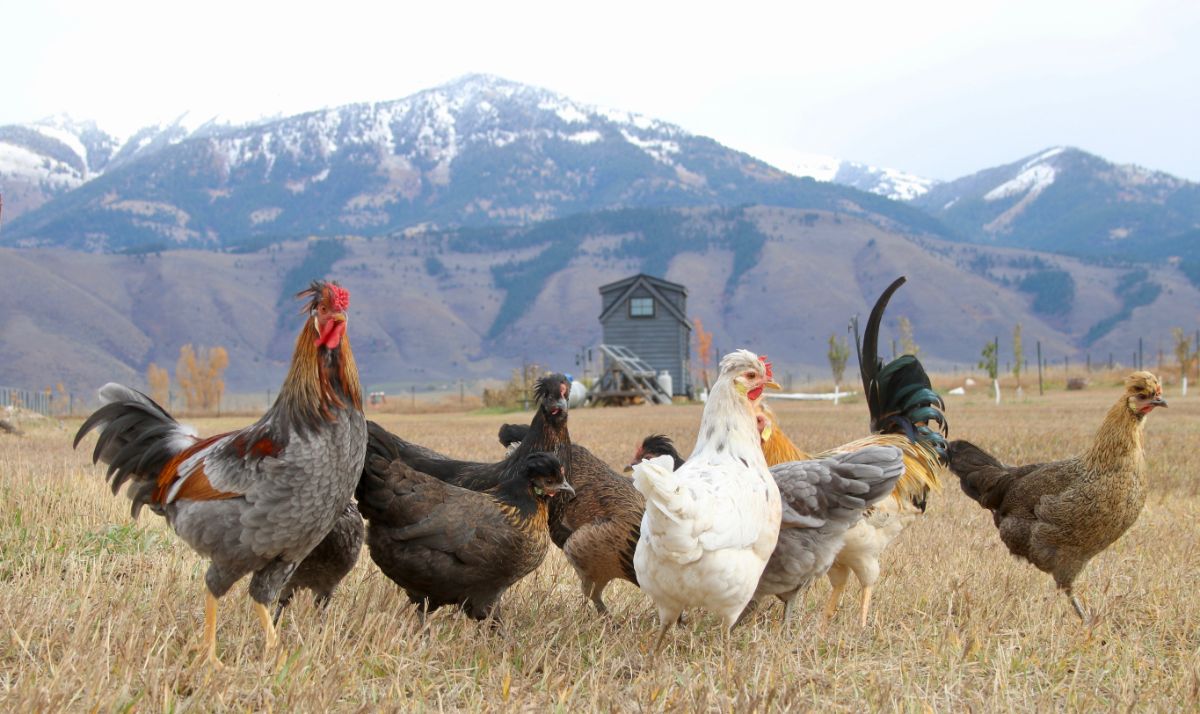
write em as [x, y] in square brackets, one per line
[103, 613]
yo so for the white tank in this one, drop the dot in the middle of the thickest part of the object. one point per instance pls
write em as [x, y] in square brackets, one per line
[577, 395]
[664, 381]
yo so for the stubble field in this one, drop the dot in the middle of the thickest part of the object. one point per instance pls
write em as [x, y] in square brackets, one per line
[104, 613]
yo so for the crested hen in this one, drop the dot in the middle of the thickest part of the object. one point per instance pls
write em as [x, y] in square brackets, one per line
[257, 500]
[710, 527]
[1059, 515]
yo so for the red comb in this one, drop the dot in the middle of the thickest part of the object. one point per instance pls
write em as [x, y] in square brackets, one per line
[766, 365]
[340, 297]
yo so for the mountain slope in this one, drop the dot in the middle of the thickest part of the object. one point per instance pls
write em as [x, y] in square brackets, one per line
[435, 305]
[477, 151]
[1068, 201]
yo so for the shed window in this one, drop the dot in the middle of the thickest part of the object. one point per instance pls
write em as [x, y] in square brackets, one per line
[641, 307]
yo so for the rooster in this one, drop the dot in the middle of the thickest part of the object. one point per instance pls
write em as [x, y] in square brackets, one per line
[1059, 515]
[710, 527]
[258, 500]
[902, 405]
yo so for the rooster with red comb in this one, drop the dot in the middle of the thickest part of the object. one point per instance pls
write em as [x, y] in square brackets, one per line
[258, 500]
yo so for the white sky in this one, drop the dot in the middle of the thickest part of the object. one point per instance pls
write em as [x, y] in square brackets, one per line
[936, 88]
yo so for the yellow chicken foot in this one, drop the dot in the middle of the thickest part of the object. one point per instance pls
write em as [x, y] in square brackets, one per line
[866, 604]
[835, 597]
[210, 630]
[268, 625]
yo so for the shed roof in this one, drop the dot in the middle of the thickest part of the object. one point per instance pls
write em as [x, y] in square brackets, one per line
[653, 285]
[650, 279]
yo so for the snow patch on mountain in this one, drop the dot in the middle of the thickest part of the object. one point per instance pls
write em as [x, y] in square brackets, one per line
[1033, 180]
[893, 183]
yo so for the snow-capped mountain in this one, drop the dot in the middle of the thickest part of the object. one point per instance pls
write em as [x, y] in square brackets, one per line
[1066, 200]
[47, 158]
[477, 151]
[892, 183]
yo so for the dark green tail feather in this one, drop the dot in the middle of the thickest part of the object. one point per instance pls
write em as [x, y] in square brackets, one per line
[899, 395]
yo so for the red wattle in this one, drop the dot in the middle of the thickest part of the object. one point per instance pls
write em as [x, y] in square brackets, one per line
[331, 336]
[755, 393]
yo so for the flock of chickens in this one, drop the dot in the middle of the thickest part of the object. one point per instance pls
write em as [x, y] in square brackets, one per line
[746, 516]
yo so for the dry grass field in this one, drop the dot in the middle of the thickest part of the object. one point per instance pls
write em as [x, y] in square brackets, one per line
[103, 613]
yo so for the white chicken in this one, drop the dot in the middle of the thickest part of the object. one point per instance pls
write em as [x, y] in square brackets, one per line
[710, 527]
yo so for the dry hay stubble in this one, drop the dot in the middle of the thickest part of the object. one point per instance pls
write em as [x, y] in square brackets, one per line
[102, 612]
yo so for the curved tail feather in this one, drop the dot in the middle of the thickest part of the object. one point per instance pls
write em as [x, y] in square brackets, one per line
[899, 394]
[137, 440]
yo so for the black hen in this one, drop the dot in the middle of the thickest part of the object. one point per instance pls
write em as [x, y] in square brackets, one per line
[656, 445]
[547, 431]
[447, 545]
[597, 528]
[328, 563]
[511, 435]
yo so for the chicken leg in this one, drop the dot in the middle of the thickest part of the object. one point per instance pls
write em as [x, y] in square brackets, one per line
[268, 625]
[1069, 592]
[210, 630]
[866, 604]
[838, 575]
[666, 618]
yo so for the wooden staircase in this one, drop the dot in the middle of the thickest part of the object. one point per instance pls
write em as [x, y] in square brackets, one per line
[626, 380]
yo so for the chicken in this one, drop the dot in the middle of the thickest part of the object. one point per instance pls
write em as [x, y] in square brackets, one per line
[1059, 515]
[257, 500]
[511, 436]
[547, 431]
[902, 405]
[597, 529]
[328, 563]
[710, 527]
[656, 445]
[822, 499]
[447, 545]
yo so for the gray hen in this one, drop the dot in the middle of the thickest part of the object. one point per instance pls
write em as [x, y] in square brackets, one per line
[822, 499]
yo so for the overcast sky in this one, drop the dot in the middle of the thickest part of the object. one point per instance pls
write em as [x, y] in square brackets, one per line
[940, 89]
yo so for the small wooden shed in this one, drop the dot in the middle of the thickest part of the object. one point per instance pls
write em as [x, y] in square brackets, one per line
[648, 317]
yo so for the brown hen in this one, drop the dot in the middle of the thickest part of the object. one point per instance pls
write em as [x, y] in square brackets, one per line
[1061, 514]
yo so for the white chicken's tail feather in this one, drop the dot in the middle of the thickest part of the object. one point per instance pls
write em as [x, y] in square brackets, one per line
[669, 509]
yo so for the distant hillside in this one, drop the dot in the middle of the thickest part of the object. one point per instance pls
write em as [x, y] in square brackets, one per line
[1064, 200]
[431, 305]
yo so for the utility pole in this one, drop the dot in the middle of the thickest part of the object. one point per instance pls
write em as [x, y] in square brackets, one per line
[1041, 389]
[413, 391]
[1140, 353]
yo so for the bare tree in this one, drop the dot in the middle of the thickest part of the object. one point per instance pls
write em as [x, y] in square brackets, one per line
[908, 345]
